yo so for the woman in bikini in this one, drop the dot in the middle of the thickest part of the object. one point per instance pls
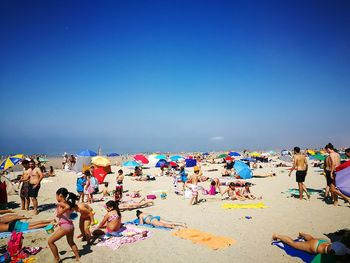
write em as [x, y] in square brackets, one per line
[66, 204]
[9, 223]
[233, 193]
[156, 220]
[315, 245]
[112, 221]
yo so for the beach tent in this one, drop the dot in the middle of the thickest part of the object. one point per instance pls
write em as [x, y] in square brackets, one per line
[286, 158]
[141, 158]
[234, 154]
[191, 162]
[342, 179]
[131, 164]
[100, 174]
[113, 154]
[243, 170]
[87, 153]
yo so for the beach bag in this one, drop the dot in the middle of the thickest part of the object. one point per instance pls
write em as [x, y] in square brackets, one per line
[15, 243]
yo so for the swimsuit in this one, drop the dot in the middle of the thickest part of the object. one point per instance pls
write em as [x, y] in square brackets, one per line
[65, 222]
[300, 176]
[328, 178]
[319, 242]
[24, 190]
[33, 192]
[109, 219]
[151, 218]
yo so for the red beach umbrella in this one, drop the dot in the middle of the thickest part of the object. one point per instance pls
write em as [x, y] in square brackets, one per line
[141, 158]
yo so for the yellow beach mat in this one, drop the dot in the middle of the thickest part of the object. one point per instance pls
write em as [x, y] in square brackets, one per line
[243, 206]
[199, 237]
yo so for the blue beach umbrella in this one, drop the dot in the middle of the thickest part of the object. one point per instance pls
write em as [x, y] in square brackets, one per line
[175, 158]
[11, 161]
[131, 164]
[234, 154]
[248, 159]
[243, 170]
[161, 163]
[160, 156]
[113, 154]
[87, 153]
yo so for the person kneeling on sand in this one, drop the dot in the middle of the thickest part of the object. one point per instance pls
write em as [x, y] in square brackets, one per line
[233, 193]
[156, 220]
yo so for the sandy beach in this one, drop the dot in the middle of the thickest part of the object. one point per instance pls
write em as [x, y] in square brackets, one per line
[284, 214]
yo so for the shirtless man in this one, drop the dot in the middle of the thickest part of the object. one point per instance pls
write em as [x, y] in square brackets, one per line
[332, 161]
[300, 165]
[34, 184]
[193, 185]
[25, 186]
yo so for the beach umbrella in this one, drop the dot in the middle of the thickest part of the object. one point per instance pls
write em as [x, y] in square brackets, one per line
[285, 152]
[87, 153]
[272, 152]
[243, 170]
[223, 155]
[113, 154]
[11, 161]
[255, 154]
[175, 158]
[234, 154]
[141, 158]
[161, 162]
[100, 174]
[229, 158]
[173, 164]
[248, 159]
[319, 157]
[312, 152]
[191, 162]
[100, 161]
[206, 153]
[160, 156]
[131, 164]
[342, 179]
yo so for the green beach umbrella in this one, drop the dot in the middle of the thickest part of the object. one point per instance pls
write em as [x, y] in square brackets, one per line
[319, 157]
[223, 155]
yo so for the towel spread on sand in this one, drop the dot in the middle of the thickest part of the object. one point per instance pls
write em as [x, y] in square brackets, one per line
[129, 235]
[304, 256]
[8, 234]
[243, 206]
[199, 237]
[293, 191]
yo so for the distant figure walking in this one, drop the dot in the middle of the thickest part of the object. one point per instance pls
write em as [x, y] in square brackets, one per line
[301, 166]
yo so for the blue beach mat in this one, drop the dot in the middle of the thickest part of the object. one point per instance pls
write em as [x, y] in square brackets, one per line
[8, 234]
[304, 256]
[136, 222]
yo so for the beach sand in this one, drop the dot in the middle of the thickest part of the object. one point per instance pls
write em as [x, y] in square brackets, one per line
[284, 215]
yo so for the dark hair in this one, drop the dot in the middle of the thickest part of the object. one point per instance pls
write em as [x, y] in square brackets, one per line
[347, 150]
[297, 149]
[106, 184]
[87, 173]
[232, 184]
[31, 161]
[114, 205]
[68, 196]
[25, 162]
[138, 213]
[120, 171]
[213, 183]
[329, 146]
[51, 169]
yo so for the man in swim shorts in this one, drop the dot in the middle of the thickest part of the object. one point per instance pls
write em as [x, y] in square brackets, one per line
[34, 184]
[300, 165]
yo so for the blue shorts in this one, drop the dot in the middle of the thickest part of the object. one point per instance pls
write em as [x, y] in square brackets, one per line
[21, 226]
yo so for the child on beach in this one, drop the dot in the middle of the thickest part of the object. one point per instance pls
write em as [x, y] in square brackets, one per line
[81, 180]
[88, 188]
[183, 177]
[194, 187]
[233, 193]
[66, 204]
[112, 220]
[247, 194]
[156, 220]
[105, 192]
[120, 179]
[85, 221]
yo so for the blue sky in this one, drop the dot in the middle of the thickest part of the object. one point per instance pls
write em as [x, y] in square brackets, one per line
[173, 75]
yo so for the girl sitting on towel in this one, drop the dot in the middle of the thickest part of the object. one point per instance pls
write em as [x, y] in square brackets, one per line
[247, 194]
[233, 193]
[112, 221]
[156, 220]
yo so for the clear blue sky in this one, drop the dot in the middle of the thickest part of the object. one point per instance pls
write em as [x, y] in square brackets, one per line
[173, 75]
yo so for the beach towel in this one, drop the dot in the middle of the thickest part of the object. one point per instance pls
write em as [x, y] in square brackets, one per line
[243, 206]
[203, 238]
[8, 234]
[294, 191]
[304, 256]
[128, 235]
[137, 223]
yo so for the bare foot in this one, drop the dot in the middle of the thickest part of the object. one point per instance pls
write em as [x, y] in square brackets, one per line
[275, 237]
[80, 236]
[335, 203]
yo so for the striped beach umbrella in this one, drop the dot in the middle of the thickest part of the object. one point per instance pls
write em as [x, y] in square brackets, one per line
[11, 161]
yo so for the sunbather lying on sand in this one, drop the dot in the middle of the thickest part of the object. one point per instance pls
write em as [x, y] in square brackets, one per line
[9, 223]
[131, 204]
[144, 178]
[316, 245]
[156, 220]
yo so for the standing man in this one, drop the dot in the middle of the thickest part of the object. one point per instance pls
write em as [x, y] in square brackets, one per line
[25, 185]
[300, 165]
[332, 161]
[34, 184]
